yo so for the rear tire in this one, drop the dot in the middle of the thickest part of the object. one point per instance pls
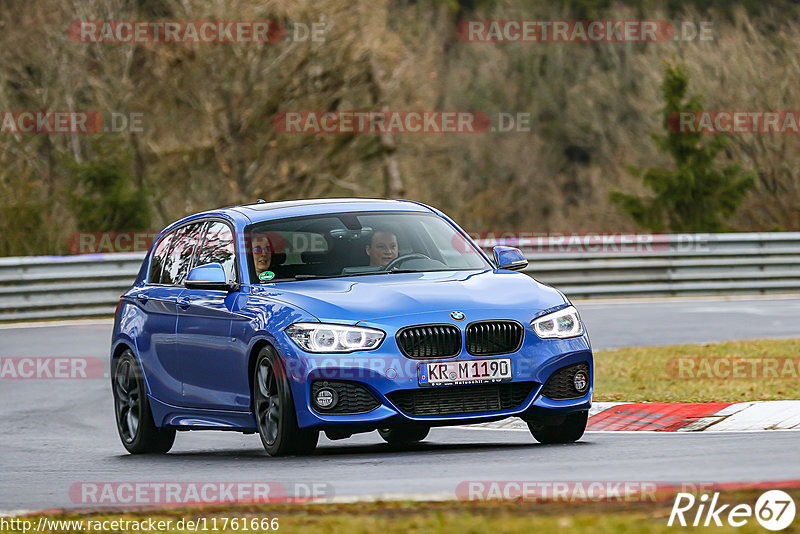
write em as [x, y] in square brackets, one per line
[275, 411]
[404, 434]
[135, 425]
[570, 430]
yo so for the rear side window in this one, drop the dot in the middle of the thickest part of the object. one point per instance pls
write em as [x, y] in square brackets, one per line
[157, 262]
[179, 260]
[218, 247]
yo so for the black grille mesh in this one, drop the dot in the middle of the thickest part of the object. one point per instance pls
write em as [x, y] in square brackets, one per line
[352, 398]
[560, 385]
[487, 338]
[462, 400]
[430, 341]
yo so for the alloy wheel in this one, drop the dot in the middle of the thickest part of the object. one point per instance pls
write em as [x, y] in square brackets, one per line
[129, 401]
[268, 402]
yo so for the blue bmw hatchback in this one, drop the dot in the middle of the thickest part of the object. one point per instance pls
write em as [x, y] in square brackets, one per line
[342, 316]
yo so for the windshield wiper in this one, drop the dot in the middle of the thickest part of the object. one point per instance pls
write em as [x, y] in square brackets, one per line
[401, 271]
[314, 276]
[347, 275]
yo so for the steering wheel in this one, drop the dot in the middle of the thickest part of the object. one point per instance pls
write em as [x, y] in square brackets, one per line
[400, 259]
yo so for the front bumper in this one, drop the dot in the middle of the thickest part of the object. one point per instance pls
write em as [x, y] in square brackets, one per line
[386, 370]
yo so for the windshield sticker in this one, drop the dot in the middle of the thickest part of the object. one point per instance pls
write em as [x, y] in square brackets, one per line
[266, 275]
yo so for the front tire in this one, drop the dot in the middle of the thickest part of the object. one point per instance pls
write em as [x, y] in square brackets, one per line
[570, 430]
[404, 434]
[274, 409]
[135, 425]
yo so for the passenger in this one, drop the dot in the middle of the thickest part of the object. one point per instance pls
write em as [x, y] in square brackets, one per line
[262, 254]
[382, 248]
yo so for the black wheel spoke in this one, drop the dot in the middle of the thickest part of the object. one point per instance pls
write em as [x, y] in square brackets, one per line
[262, 407]
[122, 395]
[121, 383]
[272, 420]
[263, 376]
[123, 412]
[132, 420]
[274, 409]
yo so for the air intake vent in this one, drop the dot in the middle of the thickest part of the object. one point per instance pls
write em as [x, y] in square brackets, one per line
[486, 338]
[352, 398]
[430, 341]
[561, 386]
[462, 400]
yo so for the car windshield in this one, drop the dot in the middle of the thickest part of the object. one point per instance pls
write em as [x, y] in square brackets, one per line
[357, 244]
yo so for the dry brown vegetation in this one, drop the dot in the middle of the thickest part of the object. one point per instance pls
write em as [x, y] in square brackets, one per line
[208, 138]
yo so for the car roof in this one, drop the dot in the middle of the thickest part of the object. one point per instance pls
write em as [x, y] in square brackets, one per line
[262, 211]
[256, 212]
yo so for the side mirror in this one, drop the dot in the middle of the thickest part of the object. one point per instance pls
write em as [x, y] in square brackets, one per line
[211, 276]
[509, 258]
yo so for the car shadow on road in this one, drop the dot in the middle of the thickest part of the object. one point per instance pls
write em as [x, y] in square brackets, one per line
[379, 450]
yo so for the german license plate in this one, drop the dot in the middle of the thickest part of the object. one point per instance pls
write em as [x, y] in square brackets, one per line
[464, 372]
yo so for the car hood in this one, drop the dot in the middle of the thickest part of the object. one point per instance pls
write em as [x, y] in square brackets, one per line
[370, 298]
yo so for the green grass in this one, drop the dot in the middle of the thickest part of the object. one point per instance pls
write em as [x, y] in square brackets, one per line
[650, 373]
[445, 517]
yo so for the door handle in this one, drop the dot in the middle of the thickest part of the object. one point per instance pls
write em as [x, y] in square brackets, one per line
[143, 298]
[184, 303]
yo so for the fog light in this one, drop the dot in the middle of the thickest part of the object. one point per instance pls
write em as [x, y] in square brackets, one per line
[326, 398]
[581, 382]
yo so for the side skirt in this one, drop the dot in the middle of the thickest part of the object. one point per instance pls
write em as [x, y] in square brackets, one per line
[182, 418]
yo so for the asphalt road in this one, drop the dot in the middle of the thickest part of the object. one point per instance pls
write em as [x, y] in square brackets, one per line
[57, 433]
[641, 322]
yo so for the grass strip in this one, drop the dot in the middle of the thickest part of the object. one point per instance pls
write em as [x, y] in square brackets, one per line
[716, 372]
[441, 517]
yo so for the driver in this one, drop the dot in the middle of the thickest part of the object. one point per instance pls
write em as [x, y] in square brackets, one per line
[382, 248]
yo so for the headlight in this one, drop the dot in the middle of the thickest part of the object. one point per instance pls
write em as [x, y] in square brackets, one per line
[560, 324]
[320, 337]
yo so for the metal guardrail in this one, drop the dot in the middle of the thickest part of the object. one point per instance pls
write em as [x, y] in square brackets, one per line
[582, 266]
[61, 287]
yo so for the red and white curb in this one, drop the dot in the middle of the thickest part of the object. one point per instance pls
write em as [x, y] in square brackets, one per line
[682, 417]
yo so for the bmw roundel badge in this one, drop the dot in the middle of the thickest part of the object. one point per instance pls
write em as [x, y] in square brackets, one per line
[457, 315]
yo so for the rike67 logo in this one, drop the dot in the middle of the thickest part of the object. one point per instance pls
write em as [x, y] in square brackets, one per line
[774, 510]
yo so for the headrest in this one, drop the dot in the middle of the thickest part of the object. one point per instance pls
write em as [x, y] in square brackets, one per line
[314, 257]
